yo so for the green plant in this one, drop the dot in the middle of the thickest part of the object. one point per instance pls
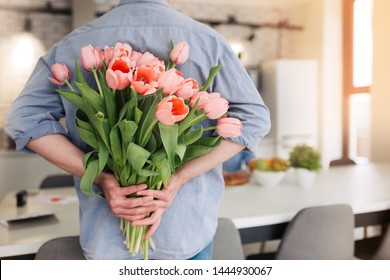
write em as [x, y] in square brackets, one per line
[306, 157]
[273, 164]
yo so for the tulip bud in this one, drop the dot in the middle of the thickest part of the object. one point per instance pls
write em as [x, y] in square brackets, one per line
[229, 127]
[61, 74]
[179, 53]
[91, 58]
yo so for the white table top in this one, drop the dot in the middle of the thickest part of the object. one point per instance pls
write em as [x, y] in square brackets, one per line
[26, 237]
[366, 188]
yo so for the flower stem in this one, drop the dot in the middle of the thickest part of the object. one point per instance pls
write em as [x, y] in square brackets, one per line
[69, 85]
[97, 82]
[209, 128]
[146, 244]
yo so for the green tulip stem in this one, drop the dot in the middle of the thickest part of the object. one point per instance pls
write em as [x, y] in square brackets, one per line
[97, 82]
[209, 128]
[146, 244]
[68, 84]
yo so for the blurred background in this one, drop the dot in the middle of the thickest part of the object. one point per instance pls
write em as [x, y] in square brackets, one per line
[320, 65]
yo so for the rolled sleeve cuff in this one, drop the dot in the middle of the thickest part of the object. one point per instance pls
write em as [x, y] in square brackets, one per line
[45, 128]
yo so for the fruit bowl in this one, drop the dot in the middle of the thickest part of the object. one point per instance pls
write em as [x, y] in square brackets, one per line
[268, 178]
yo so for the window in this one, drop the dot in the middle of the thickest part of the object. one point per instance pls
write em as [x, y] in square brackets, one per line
[357, 79]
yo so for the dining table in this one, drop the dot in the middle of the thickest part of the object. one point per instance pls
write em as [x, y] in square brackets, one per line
[259, 212]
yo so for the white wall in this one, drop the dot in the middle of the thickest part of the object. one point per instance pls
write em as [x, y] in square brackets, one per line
[380, 147]
[321, 40]
[20, 171]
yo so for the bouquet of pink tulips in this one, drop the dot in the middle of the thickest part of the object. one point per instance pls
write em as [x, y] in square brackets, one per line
[140, 117]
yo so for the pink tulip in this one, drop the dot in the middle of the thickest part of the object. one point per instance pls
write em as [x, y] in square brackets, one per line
[216, 106]
[122, 49]
[117, 79]
[203, 98]
[61, 74]
[123, 64]
[148, 59]
[135, 56]
[91, 58]
[171, 109]
[108, 54]
[144, 80]
[119, 73]
[187, 89]
[170, 81]
[179, 53]
[229, 127]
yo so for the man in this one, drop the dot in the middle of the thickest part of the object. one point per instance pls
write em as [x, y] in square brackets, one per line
[184, 216]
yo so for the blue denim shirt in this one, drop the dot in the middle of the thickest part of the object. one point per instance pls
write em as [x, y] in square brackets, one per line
[147, 25]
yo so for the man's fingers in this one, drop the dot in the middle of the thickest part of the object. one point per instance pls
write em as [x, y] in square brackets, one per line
[122, 212]
[132, 189]
[152, 229]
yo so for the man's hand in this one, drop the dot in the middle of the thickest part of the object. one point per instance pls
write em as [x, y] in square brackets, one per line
[128, 208]
[162, 200]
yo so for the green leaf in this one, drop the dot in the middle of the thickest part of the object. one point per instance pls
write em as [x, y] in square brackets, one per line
[91, 172]
[86, 130]
[88, 137]
[194, 117]
[170, 62]
[192, 136]
[116, 147]
[79, 74]
[72, 97]
[209, 141]
[101, 125]
[137, 115]
[152, 144]
[213, 72]
[109, 100]
[128, 110]
[89, 156]
[124, 175]
[149, 120]
[161, 163]
[92, 97]
[169, 135]
[137, 156]
[147, 173]
[128, 129]
[83, 121]
[103, 156]
[181, 149]
[201, 147]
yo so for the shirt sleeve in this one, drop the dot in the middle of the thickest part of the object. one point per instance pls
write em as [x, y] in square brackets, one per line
[37, 110]
[245, 102]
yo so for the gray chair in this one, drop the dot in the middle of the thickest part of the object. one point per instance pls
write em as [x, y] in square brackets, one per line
[61, 248]
[55, 181]
[319, 233]
[227, 242]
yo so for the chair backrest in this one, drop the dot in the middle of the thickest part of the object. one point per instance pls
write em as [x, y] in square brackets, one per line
[319, 233]
[227, 242]
[61, 248]
[54, 181]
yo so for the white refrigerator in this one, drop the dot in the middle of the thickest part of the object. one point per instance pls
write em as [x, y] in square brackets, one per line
[289, 88]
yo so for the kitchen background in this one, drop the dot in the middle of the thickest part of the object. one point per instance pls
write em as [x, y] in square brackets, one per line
[264, 33]
[259, 31]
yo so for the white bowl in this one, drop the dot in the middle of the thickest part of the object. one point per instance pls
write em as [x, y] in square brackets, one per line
[268, 178]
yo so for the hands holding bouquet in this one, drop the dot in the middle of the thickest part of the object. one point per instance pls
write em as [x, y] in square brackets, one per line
[142, 120]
